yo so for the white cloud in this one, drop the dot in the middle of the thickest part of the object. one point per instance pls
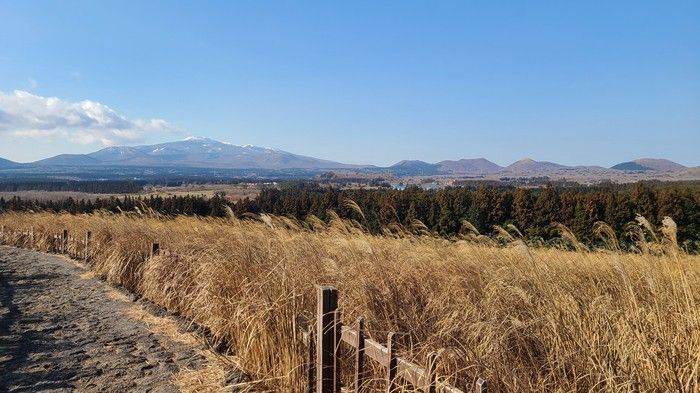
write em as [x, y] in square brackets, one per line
[32, 83]
[23, 114]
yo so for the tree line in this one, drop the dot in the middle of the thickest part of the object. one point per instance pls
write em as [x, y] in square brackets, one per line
[189, 205]
[531, 210]
[87, 186]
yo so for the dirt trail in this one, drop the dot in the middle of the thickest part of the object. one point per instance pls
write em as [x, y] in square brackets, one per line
[63, 330]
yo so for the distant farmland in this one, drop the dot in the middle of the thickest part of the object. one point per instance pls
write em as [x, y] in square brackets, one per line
[232, 191]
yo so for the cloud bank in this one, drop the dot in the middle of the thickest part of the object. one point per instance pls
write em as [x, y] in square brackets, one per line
[23, 114]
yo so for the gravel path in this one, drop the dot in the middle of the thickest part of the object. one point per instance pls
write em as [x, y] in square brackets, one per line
[60, 330]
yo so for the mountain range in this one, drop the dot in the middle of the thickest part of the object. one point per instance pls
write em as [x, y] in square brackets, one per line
[194, 152]
[649, 164]
[199, 152]
[4, 164]
[528, 166]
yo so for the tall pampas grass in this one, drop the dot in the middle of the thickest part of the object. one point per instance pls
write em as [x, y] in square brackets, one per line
[606, 233]
[527, 319]
[567, 235]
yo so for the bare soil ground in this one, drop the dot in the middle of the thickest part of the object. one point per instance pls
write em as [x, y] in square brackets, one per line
[61, 329]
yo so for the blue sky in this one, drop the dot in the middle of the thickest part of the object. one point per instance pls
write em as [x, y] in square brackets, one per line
[360, 82]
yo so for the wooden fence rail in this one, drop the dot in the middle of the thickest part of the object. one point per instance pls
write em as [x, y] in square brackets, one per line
[324, 362]
[59, 243]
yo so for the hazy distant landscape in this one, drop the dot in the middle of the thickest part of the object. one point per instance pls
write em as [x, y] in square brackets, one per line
[207, 158]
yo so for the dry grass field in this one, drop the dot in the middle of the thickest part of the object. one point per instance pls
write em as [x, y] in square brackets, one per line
[233, 192]
[526, 319]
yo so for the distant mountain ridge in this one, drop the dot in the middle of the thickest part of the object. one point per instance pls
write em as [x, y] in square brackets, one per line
[649, 164]
[527, 167]
[530, 165]
[630, 166]
[68, 160]
[195, 152]
[479, 166]
[6, 164]
[472, 166]
[200, 152]
[414, 168]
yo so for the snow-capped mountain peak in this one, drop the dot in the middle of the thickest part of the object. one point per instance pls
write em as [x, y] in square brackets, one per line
[197, 151]
[196, 138]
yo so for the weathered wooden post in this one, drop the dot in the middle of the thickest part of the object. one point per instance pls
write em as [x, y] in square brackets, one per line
[65, 241]
[338, 331]
[2, 234]
[391, 366]
[155, 249]
[360, 374]
[88, 236]
[311, 376]
[481, 385]
[326, 339]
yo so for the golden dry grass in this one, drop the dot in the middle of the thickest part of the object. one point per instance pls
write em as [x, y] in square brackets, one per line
[526, 319]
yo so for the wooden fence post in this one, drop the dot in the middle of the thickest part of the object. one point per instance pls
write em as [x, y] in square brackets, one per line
[155, 249]
[338, 330]
[360, 356]
[2, 234]
[65, 241]
[88, 236]
[326, 339]
[481, 386]
[311, 376]
[391, 367]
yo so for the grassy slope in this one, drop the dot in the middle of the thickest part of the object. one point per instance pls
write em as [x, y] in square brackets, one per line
[527, 319]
